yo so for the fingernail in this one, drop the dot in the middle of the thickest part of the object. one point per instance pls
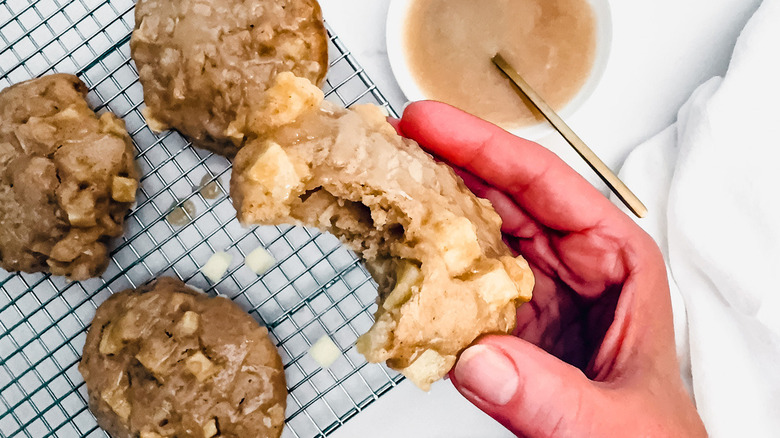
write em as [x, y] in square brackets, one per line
[487, 373]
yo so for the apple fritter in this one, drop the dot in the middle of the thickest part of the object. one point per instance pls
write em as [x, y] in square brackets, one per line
[444, 274]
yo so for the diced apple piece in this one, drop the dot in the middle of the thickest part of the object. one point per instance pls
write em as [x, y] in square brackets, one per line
[495, 286]
[69, 113]
[456, 240]
[118, 403]
[259, 260]
[152, 360]
[408, 278]
[81, 209]
[115, 397]
[109, 344]
[216, 266]
[117, 332]
[188, 324]
[325, 351]
[123, 189]
[275, 172]
[210, 428]
[288, 98]
[427, 368]
[200, 366]
[37, 133]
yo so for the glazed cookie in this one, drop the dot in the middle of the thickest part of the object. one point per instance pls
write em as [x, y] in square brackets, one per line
[67, 179]
[167, 361]
[434, 248]
[205, 64]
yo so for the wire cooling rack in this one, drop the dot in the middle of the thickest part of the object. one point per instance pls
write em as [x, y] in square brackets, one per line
[316, 288]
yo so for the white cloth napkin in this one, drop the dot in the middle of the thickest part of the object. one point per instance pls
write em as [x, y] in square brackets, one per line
[712, 184]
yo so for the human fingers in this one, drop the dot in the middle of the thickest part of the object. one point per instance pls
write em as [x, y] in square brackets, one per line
[527, 390]
[587, 261]
[536, 395]
[541, 183]
[514, 220]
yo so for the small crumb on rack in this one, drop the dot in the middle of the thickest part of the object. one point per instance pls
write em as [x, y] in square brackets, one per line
[216, 266]
[259, 261]
[182, 214]
[325, 351]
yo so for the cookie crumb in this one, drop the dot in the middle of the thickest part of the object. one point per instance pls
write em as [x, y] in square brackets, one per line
[325, 351]
[216, 266]
[259, 261]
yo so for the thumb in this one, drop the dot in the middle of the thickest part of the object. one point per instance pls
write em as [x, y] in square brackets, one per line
[529, 391]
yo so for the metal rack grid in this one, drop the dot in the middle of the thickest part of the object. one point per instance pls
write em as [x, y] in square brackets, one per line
[316, 288]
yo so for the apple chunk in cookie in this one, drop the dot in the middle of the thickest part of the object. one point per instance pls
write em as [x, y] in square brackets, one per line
[445, 276]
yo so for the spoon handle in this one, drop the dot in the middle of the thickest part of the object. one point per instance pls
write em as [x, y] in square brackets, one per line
[604, 172]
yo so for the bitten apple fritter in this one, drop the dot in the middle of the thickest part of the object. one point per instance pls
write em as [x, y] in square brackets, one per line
[444, 274]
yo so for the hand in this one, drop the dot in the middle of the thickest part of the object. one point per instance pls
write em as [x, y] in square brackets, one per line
[594, 354]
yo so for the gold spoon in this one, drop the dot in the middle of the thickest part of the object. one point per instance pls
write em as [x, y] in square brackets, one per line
[615, 184]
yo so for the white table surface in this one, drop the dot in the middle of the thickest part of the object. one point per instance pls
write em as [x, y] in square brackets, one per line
[661, 51]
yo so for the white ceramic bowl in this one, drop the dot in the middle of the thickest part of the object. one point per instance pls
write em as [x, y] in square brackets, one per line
[396, 23]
